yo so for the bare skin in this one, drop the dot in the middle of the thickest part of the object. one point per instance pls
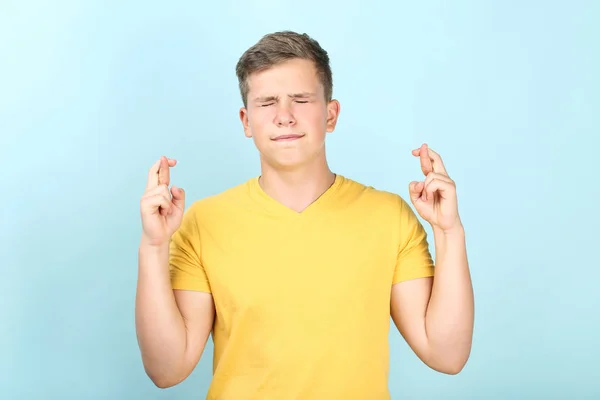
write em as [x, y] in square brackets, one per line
[283, 101]
[172, 325]
[436, 315]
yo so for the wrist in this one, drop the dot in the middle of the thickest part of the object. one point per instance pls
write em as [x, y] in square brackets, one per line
[454, 231]
[147, 246]
[451, 234]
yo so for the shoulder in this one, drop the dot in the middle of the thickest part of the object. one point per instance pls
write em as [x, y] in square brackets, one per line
[392, 211]
[380, 200]
[220, 202]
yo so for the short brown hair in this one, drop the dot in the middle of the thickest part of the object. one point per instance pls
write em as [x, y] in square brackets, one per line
[278, 47]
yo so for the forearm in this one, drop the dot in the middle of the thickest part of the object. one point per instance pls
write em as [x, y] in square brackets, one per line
[160, 327]
[450, 313]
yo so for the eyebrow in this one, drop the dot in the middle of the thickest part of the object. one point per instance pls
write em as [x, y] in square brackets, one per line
[302, 95]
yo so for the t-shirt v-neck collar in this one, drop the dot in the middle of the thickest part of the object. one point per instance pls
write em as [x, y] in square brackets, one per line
[278, 208]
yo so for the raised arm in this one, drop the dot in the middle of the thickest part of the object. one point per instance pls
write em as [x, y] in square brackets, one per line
[172, 325]
[435, 315]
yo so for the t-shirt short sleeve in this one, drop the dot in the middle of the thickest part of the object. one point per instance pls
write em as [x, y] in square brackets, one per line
[186, 269]
[414, 258]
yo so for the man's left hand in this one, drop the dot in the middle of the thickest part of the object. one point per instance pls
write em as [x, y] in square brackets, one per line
[435, 197]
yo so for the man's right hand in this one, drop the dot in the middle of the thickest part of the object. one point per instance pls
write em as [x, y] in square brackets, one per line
[161, 209]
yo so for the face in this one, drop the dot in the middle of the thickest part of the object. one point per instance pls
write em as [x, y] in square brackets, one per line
[287, 115]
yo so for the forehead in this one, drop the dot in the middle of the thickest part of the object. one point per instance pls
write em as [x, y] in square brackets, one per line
[292, 76]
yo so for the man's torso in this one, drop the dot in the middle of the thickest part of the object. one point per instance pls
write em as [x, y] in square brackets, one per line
[302, 299]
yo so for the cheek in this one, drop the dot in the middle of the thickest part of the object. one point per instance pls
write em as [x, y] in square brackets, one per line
[256, 122]
[312, 116]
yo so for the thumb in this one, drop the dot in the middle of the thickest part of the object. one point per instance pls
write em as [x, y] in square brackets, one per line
[415, 189]
[178, 197]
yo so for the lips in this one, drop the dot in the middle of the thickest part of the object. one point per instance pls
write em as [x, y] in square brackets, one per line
[283, 138]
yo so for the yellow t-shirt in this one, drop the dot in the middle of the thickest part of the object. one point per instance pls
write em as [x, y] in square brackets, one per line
[302, 299]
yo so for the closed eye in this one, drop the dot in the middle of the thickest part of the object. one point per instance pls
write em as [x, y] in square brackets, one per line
[297, 101]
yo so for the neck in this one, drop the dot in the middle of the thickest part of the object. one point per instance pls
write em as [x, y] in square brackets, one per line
[298, 187]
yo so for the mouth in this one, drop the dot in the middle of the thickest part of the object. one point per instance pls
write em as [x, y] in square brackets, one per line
[287, 138]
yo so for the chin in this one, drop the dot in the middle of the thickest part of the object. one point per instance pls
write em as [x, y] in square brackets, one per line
[285, 163]
[288, 164]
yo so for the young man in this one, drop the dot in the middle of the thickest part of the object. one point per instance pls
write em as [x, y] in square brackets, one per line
[296, 272]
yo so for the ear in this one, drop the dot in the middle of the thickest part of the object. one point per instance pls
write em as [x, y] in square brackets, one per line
[333, 112]
[244, 119]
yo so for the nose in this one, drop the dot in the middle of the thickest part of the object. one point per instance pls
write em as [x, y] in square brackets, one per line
[284, 116]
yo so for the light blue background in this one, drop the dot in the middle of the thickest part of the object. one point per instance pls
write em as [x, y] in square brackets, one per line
[93, 92]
